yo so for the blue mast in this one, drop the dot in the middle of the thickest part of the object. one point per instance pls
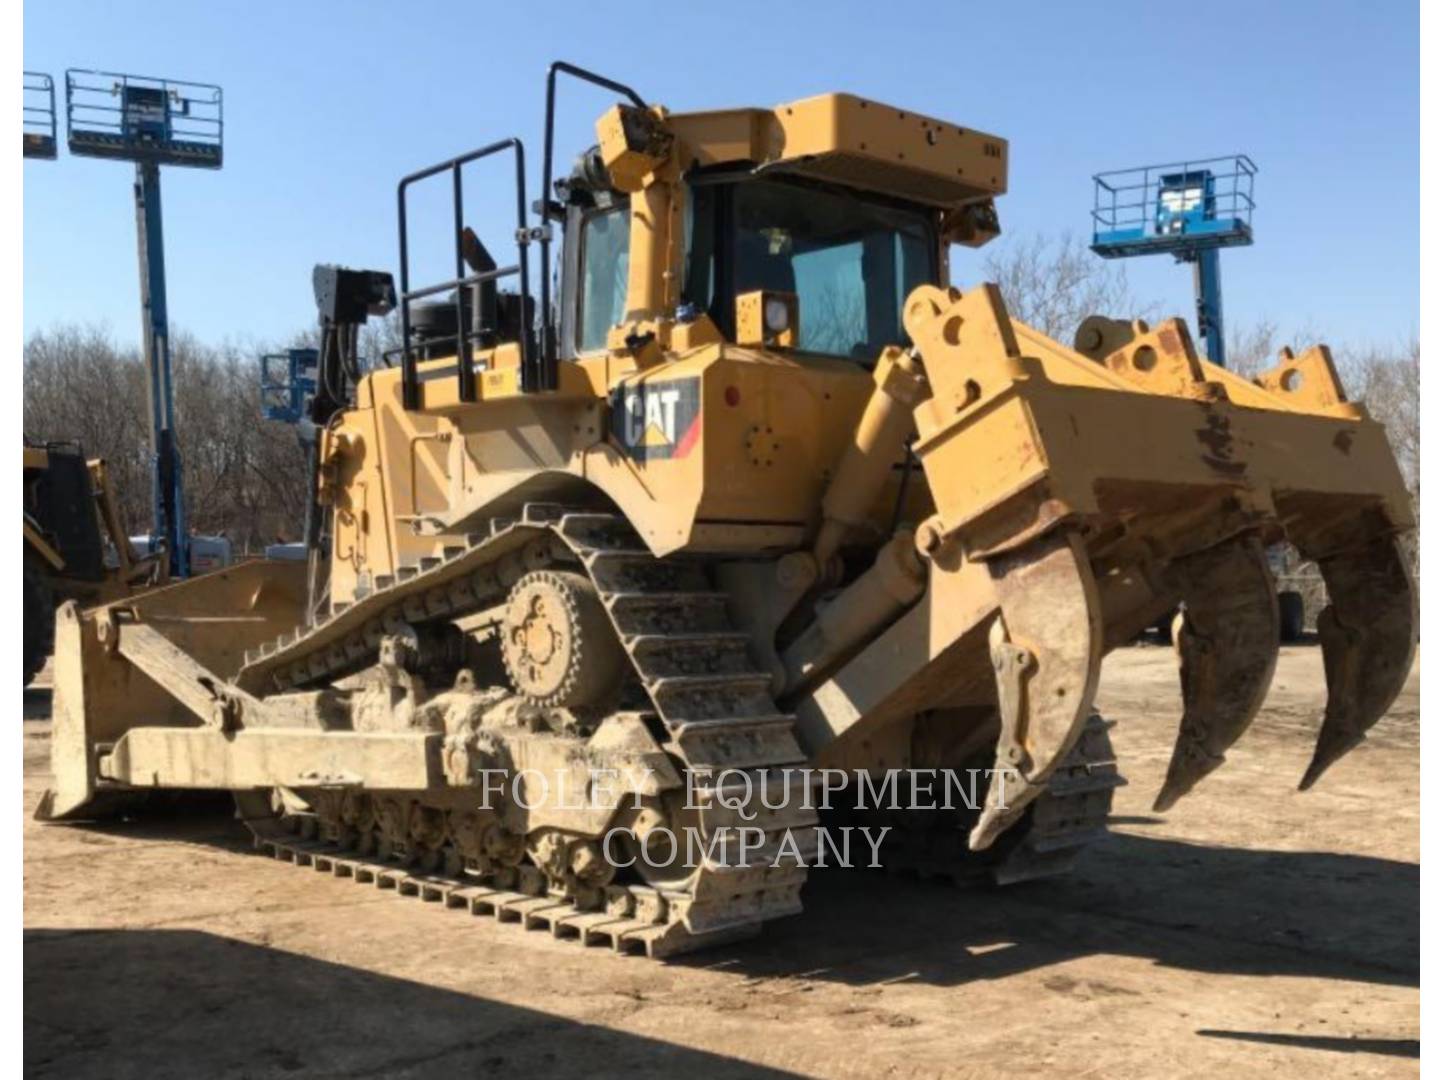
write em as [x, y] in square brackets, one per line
[156, 122]
[167, 492]
[1209, 317]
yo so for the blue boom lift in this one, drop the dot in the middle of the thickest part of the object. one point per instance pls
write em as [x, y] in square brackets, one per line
[287, 383]
[1188, 209]
[151, 122]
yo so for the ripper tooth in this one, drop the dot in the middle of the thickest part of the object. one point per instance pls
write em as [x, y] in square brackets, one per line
[1045, 647]
[1228, 640]
[1367, 635]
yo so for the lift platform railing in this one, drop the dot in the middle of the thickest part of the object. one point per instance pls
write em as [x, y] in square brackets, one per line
[139, 118]
[461, 283]
[1125, 219]
[38, 102]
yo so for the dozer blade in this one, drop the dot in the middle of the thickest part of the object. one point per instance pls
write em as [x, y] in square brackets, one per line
[185, 641]
[1367, 637]
[1045, 646]
[1228, 640]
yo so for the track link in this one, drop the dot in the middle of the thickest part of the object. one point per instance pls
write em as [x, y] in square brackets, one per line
[616, 925]
[715, 706]
[1069, 816]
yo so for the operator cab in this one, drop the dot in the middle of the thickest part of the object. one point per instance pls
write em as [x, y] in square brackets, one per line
[802, 228]
[848, 259]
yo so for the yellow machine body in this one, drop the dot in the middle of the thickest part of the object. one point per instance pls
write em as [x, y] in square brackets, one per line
[75, 543]
[921, 555]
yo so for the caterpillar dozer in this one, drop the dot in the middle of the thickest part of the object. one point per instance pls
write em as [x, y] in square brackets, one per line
[76, 546]
[757, 497]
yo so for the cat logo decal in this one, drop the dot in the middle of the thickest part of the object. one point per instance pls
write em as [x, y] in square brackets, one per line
[656, 419]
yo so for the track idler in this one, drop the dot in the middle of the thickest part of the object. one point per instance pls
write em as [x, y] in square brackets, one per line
[1228, 639]
[1367, 637]
[1045, 645]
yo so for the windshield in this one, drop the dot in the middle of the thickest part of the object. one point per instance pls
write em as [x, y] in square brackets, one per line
[850, 261]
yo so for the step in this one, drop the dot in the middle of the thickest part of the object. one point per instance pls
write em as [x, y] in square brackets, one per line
[688, 653]
[617, 571]
[640, 613]
[543, 513]
[601, 532]
[687, 698]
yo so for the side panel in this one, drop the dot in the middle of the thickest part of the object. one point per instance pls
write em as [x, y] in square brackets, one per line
[722, 449]
[776, 432]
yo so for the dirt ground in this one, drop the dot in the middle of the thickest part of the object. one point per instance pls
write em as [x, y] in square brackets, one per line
[1252, 930]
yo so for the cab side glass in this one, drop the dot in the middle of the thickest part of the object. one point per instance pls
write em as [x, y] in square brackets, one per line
[604, 272]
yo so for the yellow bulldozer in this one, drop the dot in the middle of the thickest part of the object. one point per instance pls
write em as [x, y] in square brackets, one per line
[608, 590]
[76, 547]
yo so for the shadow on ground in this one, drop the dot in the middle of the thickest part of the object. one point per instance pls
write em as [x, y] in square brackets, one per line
[37, 703]
[148, 1003]
[1187, 906]
[1409, 1048]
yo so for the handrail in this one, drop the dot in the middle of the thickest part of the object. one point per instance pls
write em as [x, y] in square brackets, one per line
[548, 374]
[465, 369]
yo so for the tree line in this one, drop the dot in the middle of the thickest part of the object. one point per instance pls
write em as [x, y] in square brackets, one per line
[244, 477]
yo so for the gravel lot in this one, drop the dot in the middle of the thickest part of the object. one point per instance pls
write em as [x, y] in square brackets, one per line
[1252, 930]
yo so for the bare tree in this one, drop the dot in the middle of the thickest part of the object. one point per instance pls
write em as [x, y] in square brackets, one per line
[378, 337]
[77, 385]
[245, 478]
[1251, 348]
[1051, 284]
[1387, 380]
[837, 323]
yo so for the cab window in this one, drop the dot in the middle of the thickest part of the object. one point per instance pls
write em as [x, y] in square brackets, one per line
[604, 272]
[850, 260]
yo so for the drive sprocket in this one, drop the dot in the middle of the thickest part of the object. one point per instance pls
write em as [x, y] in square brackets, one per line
[559, 646]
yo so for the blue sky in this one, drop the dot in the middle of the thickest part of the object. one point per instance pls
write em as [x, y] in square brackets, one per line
[327, 104]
